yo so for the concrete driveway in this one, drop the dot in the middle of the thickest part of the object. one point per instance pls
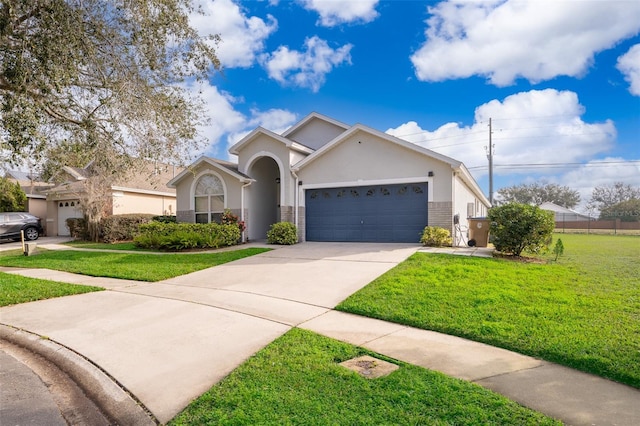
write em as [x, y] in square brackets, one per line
[168, 342]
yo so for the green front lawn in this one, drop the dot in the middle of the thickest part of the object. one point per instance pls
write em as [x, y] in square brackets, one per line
[131, 266]
[17, 289]
[298, 380]
[105, 246]
[582, 311]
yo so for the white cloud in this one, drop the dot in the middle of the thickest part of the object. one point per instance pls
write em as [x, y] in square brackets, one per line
[306, 68]
[276, 120]
[223, 117]
[602, 172]
[629, 65]
[535, 40]
[242, 37]
[536, 127]
[335, 12]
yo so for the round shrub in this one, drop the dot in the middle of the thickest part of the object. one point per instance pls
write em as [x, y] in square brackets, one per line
[284, 233]
[434, 236]
[517, 227]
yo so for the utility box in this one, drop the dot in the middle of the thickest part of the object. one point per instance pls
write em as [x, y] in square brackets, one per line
[478, 231]
[29, 248]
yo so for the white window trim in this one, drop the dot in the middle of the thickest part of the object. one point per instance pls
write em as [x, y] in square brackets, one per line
[194, 183]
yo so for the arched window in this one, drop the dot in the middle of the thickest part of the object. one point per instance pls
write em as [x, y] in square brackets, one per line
[209, 200]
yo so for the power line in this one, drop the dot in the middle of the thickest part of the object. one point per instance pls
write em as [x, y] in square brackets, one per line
[559, 165]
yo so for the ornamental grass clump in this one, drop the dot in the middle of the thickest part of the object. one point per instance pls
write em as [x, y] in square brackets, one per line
[434, 236]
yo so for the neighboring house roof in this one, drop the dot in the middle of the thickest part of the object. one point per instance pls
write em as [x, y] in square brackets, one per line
[235, 149]
[21, 176]
[76, 172]
[561, 210]
[226, 166]
[31, 183]
[152, 179]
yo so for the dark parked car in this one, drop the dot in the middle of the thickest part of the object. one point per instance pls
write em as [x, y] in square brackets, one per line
[12, 223]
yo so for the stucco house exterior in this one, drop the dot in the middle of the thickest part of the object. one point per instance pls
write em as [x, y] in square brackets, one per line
[142, 192]
[335, 182]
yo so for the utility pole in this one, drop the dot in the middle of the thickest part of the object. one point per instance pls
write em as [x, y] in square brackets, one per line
[490, 157]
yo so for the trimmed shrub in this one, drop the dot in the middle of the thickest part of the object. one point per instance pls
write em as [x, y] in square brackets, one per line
[122, 227]
[434, 236]
[78, 228]
[229, 218]
[182, 236]
[517, 227]
[165, 219]
[284, 233]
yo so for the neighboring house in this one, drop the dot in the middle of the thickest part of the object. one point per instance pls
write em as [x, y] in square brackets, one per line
[563, 214]
[334, 182]
[144, 192]
[34, 187]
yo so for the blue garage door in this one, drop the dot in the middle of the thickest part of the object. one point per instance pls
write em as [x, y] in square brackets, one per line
[381, 213]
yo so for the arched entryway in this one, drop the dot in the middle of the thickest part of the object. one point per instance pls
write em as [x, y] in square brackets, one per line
[263, 197]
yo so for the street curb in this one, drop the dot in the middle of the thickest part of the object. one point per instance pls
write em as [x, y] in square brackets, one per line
[110, 397]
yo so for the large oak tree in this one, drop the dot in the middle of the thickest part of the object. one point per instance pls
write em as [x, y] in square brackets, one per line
[108, 73]
[110, 76]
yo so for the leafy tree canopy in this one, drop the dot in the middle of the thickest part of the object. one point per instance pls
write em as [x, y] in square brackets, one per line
[12, 197]
[110, 75]
[538, 193]
[626, 211]
[605, 196]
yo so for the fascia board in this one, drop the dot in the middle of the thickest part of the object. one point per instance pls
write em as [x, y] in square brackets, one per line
[203, 159]
[310, 117]
[360, 127]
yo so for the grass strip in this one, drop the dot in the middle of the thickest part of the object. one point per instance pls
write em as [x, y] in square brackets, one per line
[296, 380]
[131, 266]
[17, 289]
[582, 311]
[129, 246]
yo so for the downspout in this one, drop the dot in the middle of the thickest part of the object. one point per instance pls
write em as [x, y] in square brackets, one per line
[295, 199]
[453, 206]
[242, 208]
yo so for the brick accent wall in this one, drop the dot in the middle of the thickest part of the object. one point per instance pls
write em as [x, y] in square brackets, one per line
[301, 225]
[441, 214]
[187, 216]
[286, 214]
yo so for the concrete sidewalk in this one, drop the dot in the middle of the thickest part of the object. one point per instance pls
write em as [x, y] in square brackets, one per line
[169, 342]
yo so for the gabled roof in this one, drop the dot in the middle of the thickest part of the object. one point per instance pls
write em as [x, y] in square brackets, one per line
[362, 128]
[225, 166]
[310, 117]
[547, 205]
[76, 172]
[235, 149]
[21, 176]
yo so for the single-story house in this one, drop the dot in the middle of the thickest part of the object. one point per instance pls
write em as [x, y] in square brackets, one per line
[143, 192]
[563, 214]
[335, 182]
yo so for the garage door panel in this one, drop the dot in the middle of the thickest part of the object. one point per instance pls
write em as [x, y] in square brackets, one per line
[383, 213]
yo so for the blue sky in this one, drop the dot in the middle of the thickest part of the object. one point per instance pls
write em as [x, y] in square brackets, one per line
[560, 80]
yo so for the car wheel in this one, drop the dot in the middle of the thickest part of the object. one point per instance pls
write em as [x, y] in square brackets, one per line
[31, 234]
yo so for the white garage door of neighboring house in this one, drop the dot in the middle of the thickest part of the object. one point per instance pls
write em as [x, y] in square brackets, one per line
[67, 209]
[380, 213]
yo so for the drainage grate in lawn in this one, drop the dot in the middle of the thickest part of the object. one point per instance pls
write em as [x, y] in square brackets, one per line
[370, 367]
